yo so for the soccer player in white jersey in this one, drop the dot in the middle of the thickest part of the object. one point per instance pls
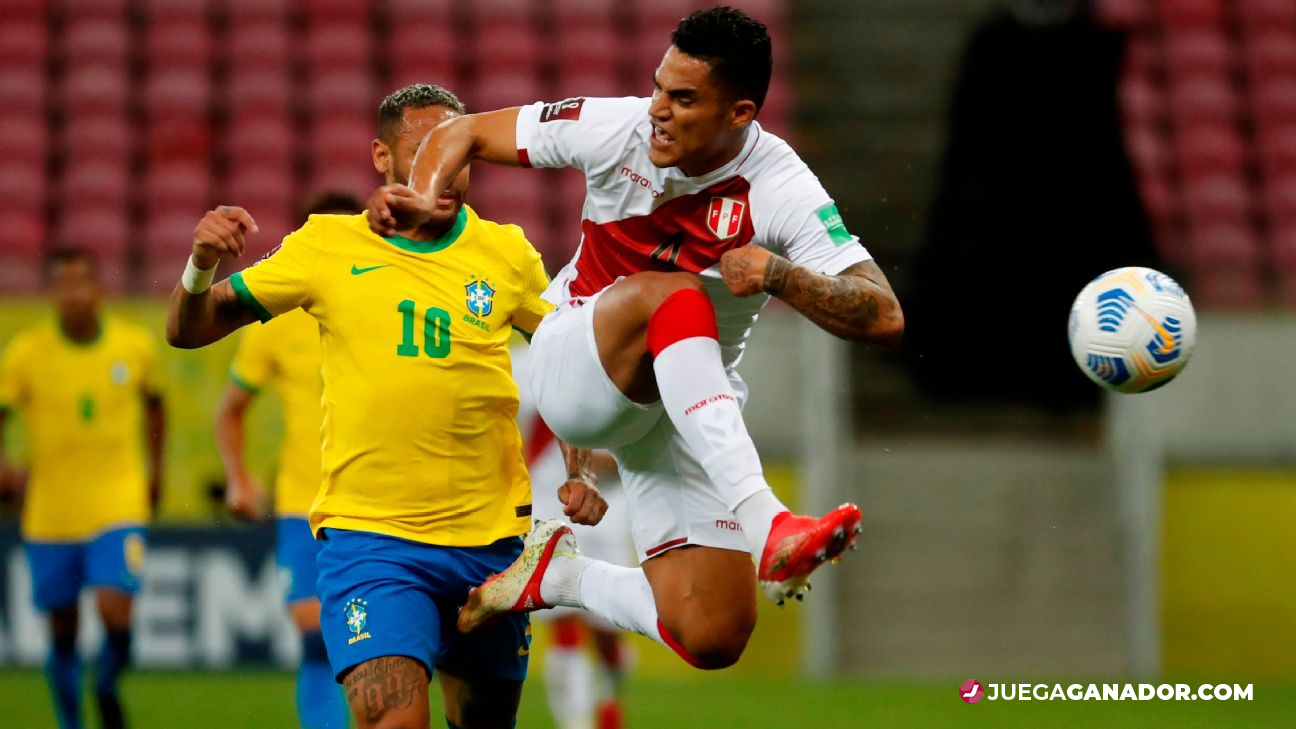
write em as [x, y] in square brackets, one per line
[694, 215]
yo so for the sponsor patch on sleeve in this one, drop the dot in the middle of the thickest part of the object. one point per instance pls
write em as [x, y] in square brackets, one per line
[832, 220]
[565, 110]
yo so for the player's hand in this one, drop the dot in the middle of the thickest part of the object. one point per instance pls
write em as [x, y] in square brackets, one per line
[582, 502]
[244, 499]
[221, 233]
[393, 208]
[743, 270]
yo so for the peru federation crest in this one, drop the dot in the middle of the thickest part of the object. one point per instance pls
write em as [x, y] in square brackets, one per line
[725, 216]
[481, 298]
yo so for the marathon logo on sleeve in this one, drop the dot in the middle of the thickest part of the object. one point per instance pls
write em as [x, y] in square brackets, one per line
[565, 110]
[832, 220]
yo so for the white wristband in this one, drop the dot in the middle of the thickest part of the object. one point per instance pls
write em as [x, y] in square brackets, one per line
[197, 280]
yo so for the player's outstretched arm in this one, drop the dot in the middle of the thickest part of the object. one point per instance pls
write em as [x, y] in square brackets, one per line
[856, 304]
[490, 136]
[243, 496]
[580, 497]
[201, 313]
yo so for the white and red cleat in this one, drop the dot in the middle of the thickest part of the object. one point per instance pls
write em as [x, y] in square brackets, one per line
[797, 545]
[517, 589]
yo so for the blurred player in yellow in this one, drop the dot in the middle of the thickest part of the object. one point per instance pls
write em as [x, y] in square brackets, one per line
[86, 387]
[425, 492]
[284, 353]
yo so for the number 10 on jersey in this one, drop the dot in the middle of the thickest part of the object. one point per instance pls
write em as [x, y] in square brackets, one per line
[436, 331]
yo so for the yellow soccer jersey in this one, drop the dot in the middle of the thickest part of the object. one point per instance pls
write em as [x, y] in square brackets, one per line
[83, 405]
[285, 353]
[420, 440]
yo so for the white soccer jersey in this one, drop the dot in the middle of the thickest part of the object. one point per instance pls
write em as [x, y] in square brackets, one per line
[639, 217]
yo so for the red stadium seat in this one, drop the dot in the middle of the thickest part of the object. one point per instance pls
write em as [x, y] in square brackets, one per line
[349, 12]
[22, 88]
[98, 92]
[178, 44]
[1147, 147]
[423, 54]
[1205, 97]
[1276, 149]
[267, 140]
[575, 82]
[89, 42]
[23, 184]
[1227, 259]
[23, 10]
[665, 13]
[178, 139]
[259, 47]
[486, 15]
[1275, 100]
[1124, 13]
[337, 47]
[1271, 53]
[240, 12]
[1268, 13]
[96, 183]
[177, 186]
[342, 141]
[170, 233]
[259, 94]
[597, 50]
[24, 232]
[23, 42]
[1217, 197]
[355, 179]
[166, 10]
[345, 91]
[1284, 252]
[508, 47]
[420, 12]
[501, 90]
[582, 13]
[108, 139]
[183, 92]
[262, 188]
[1192, 12]
[1189, 50]
[1210, 148]
[104, 230]
[99, 9]
[1280, 201]
[24, 137]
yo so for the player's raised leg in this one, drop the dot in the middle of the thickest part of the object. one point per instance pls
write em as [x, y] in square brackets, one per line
[657, 338]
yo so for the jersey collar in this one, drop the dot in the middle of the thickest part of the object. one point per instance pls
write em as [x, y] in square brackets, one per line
[438, 244]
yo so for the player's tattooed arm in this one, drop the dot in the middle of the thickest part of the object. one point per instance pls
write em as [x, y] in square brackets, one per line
[196, 320]
[582, 502]
[387, 687]
[855, 304]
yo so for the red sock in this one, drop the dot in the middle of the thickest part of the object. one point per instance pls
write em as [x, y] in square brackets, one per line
[685, 314]
[676, 646]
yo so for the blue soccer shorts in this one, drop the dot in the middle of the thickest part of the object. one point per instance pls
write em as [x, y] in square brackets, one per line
[59, 570]
[386, 596]
[295, 553]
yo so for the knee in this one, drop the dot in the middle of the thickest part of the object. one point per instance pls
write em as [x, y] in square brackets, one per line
[715, 644]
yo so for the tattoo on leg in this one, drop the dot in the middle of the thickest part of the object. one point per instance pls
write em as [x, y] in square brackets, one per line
[384, 684]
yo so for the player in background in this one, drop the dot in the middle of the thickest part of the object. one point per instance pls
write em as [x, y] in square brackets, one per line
[425, 492]
[86, 386]
[285, 353]
[579, 698]
[694, 216]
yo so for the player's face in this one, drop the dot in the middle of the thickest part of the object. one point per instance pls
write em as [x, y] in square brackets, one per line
[696, 126]
[394, 162]
[75, 287]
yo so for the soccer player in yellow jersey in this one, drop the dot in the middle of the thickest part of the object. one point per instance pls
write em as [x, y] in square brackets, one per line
[86, 387]
[285, 353]
[425, 492]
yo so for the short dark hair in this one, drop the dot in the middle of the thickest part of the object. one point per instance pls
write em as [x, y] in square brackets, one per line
[68, 254]
[415, 96]
[337, 202]
[737, 47]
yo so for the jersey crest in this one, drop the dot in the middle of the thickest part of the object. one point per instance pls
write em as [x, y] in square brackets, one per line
[481, 298]
[725, 216]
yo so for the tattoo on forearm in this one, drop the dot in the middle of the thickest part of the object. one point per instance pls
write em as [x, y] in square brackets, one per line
[580, 463]
[384, 684]
[850, 304]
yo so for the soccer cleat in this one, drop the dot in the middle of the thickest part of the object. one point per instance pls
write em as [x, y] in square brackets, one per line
[797, 545]
[517, 589]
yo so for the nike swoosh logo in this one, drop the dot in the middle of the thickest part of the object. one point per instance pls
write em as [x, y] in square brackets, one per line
[356, 270]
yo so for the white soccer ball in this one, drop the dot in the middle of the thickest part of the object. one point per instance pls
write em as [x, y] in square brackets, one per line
[1132, 329]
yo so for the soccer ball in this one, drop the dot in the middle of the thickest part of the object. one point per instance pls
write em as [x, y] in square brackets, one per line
[1132, 329]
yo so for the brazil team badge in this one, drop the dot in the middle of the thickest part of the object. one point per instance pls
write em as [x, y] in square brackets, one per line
[357, 618]
[481, 298]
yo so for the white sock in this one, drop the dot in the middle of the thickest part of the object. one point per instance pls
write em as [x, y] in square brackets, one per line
[756, 514]
[700, 401]
[569, 685]
[619, 595]
[560, 586]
